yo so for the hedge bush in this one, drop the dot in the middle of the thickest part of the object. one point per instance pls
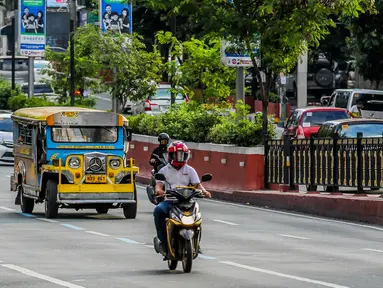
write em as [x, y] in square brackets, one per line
[203, 124]
[21, 101]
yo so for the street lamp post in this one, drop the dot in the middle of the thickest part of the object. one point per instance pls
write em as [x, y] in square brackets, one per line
[174, 31]
[72, 31]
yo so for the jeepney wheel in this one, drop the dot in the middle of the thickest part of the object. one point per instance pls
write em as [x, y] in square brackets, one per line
[27, 204]
[102, 210]
[130, 209]
[51, 206]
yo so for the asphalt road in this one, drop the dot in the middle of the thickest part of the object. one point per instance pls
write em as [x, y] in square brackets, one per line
[243, 247]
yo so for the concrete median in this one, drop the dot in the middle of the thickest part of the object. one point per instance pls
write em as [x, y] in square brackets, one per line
[238, 177]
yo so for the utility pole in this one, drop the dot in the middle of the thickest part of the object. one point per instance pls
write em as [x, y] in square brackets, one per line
[172, 82]
[73, 13]
[13, 44]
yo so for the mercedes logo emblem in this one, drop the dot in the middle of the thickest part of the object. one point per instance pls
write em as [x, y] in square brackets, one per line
[95, 164]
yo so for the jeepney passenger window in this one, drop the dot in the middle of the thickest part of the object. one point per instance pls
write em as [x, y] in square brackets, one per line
[25, 135]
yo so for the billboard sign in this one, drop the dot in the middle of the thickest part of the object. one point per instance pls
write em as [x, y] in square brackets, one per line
[116, 15]
[57, 3]
[32, 27]
[236, 55]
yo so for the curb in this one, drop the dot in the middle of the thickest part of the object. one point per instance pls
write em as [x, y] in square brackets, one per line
[346, 207]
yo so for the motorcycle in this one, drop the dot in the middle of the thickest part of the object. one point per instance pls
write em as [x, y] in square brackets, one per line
[183, 226]
[150, 189]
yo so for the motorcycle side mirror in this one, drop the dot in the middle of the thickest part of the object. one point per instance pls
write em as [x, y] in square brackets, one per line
[160, 177]
[206, 177]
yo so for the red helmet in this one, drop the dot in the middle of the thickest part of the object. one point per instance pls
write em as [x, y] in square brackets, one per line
[178, 154]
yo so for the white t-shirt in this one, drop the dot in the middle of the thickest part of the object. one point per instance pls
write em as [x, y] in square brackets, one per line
[182, 177]
[354, 109]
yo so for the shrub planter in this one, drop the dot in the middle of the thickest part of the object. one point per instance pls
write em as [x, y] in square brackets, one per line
[232, 167]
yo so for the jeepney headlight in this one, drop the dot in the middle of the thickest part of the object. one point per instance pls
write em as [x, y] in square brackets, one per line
[115, 163]
[74, 162]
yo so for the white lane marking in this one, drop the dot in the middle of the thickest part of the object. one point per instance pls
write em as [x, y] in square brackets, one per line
[206, 257]
[226, 222]
[102, 98]
[7, 209]
[373, 250]
[79, 280]
[292, 236]
[150, 246]
[97, 233]
[274, 273]
[8, 176]
[72, 227]
[48, 220]
[41, 276]
[1, 261]
[129, 241]
[294, 214]
[27, 214]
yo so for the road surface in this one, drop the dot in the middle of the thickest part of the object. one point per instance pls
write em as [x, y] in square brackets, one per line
[243, 247]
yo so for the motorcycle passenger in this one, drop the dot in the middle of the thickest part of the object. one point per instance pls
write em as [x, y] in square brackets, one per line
[160, 151]
[177, 173]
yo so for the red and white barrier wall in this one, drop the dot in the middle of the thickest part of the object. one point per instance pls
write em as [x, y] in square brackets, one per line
[232, 167]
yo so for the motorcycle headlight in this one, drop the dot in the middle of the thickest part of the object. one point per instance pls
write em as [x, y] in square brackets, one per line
[187, 220]
[115, 163]
[74, 162]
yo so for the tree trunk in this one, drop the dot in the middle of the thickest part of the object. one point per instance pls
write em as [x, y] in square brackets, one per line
[262, 90]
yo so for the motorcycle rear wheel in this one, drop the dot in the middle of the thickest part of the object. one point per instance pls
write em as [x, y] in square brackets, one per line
[187, 261]
[172, 264]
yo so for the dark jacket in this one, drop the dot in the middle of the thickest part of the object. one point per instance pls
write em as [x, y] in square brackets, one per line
[160, 153]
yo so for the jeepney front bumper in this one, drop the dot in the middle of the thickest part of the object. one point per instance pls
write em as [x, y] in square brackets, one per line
[95, 193]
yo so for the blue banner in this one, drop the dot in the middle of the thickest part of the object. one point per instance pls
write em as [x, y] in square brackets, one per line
[116, 15]
[32, 32]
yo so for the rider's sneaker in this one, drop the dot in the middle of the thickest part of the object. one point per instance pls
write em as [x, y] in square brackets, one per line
[157, 245]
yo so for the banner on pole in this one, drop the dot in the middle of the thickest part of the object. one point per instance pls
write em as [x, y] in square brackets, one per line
[32, 27]
[116, 15]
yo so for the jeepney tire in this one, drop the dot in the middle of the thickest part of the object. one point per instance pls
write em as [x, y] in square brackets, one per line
[51, 206]
[102, 210]
[27, 204]
[130, 209]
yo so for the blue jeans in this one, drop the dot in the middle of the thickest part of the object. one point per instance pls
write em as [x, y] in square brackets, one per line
[160, 213]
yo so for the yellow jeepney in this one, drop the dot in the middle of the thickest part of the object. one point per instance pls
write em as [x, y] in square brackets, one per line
[71, 157]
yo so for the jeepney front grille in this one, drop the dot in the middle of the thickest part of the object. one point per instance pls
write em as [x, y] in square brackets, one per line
[95, 163]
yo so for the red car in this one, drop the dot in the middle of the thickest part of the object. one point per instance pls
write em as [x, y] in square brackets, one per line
[306, 121]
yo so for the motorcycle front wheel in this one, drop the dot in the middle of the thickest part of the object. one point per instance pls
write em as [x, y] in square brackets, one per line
[172, 264]
[187, 261]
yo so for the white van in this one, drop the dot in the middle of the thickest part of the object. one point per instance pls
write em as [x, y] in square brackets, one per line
[372, 100]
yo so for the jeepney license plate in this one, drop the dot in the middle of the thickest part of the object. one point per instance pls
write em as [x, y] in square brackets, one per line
[95, 179]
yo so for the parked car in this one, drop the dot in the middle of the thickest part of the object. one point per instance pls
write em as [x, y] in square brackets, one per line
[306, 121]
[347, 98]
[6, 137]
[348, 128]
[320, 79]
[41, 89]
[21, 68]
[156, 104]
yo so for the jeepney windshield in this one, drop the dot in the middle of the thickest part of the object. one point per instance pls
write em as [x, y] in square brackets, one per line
[84, 134]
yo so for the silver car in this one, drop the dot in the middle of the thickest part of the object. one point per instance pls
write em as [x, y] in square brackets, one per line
[6, 138]
[156, 104]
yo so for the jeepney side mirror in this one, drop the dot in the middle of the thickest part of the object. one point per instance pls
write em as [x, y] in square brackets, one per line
[128, 134]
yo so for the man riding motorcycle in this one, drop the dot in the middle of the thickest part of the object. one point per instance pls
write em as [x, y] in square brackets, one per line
[160, 151]
[177, 173]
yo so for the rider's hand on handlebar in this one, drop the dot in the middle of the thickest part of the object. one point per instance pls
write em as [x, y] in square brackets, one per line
[160, 193]
[206, 194]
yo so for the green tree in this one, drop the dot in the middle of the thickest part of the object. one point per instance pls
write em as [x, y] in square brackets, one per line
[98, 55]
[200, 70]
[287, 27]
[366, 44]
